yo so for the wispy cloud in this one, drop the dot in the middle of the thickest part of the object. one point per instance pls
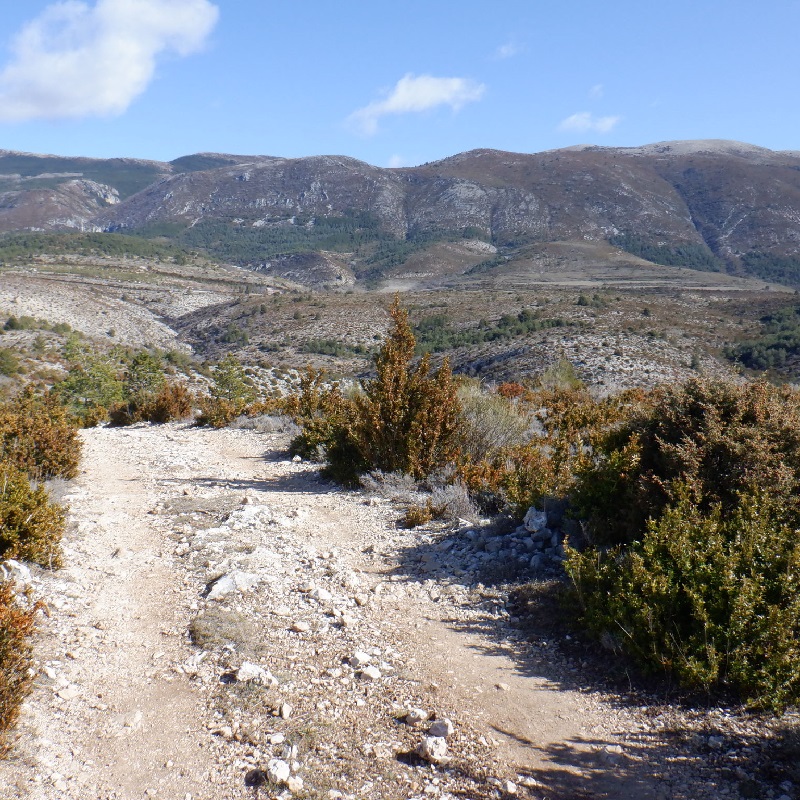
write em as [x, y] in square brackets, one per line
[597, 91]
[585, 121]
[415, 93]
[508, 50]
[396, 161]
[77, 60]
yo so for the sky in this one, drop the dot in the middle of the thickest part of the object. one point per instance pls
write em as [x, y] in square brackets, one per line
[393, 84]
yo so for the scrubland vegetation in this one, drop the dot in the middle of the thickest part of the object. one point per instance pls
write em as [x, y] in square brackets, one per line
[685, 555]
[682, 554]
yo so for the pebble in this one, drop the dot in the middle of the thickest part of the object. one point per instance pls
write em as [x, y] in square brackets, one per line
[294, 784]
[441, 728]
[286, 710]
[416, 715]
[301, 627]
[433, 749]
[370, 673]
[320, 594]
[360, 659]
[248, 673]
[278, 771]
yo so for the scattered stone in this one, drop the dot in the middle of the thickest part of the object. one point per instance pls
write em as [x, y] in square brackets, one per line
[370, 673]
[535, 520]
[301, 627]
[320, 594]
[286, 710]
[278, 771]
[360, 659]
[69, 692]
[276, 738]
[502, 687]
[294, 784]
[296, 459]
[441, 728]
[17, 572]
[248, 673]
[236, 581]
[433, 749]
[416, 715]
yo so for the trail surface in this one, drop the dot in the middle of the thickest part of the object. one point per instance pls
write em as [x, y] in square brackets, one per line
[223, 612]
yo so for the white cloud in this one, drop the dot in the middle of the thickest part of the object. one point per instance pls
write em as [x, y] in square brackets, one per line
[413, 94]
[597, 91]
[586, 121]
[76, 60]
[396, 161]
[507, 50]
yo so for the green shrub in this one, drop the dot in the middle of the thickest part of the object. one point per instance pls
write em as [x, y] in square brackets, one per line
[9, 362]
[719, 438]
[693, 510]
[16, 662]
[37, 436]
[30, 526]
[93, 385]
[711, 597]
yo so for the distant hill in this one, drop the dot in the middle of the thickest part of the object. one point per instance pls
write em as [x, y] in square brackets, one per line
[708, 205]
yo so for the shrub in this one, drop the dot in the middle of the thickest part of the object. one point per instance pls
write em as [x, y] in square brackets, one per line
[37, 436]
[491, 422]
[321, 411]
[404, 420]
[408, 420]
[570, 423]
[231, 393]
[16, 674]
[172, 402]
[712, 597]
[92, 386]
[719, 438]
[30, 526]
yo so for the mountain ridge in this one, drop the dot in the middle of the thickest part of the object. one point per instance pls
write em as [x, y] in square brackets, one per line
[710, 204]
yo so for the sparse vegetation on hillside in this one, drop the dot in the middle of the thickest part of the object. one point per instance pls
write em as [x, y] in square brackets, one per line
[15, 247]
[694, 256]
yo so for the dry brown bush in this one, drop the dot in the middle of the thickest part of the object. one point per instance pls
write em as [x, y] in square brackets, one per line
[37, 436]
[16, 626]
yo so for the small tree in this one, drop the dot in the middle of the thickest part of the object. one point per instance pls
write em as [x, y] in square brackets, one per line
[406, 420]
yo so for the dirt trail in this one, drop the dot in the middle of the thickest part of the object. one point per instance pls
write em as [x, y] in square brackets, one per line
[126, 706]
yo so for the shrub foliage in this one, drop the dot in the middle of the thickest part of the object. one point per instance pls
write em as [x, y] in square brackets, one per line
[16, 626]
[36, 436]
[31, 526]
[406, 419]
[692, 507]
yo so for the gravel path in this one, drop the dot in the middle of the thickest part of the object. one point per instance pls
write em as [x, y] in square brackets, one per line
[227, 625]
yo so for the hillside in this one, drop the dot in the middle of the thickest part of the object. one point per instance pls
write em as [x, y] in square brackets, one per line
[332, 220]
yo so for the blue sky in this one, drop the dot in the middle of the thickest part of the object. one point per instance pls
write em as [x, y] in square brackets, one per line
[394, 84]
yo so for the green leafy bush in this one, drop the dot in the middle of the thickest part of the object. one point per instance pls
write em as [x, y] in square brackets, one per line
[692, 508]
[16, 675]
[712, 598]
[231, 393]
[30, 526]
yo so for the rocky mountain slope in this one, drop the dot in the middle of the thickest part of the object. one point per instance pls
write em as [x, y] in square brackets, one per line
[710, 205]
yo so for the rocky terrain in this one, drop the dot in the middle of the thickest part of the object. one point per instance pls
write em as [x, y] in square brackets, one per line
[228, 625]
[333, 220]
